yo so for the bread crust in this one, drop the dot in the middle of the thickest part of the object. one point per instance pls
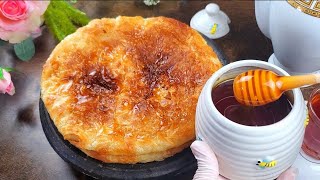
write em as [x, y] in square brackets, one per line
[125, 89]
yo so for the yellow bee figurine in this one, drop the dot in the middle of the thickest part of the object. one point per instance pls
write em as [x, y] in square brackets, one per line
[306, 121]
[266, 164]
[214, 28]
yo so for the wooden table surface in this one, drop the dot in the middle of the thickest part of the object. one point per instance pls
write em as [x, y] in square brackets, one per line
[24, 150]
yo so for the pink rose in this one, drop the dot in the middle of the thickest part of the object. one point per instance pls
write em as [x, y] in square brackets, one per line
[14, 10]
[19, 19]
[6, 85]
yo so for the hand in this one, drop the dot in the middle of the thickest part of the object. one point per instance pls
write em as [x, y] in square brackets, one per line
[208, 168]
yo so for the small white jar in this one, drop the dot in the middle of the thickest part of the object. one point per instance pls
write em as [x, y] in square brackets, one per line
[239, 148]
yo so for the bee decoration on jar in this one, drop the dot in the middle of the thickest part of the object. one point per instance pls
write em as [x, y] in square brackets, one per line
[266, 163]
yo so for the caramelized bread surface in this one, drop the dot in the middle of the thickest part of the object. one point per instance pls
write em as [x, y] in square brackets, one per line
[125, 89]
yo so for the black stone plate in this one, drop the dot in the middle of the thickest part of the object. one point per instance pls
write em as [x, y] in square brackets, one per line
[181, 166]
[217, 50]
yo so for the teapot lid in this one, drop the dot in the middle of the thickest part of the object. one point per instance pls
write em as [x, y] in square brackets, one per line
[211, 21]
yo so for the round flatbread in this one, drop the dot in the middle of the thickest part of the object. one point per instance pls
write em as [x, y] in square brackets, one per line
[125, 89]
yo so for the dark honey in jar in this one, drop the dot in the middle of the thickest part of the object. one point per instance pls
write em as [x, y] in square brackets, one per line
[224, 100]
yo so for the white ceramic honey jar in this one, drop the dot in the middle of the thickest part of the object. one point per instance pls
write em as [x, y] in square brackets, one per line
[250, 152]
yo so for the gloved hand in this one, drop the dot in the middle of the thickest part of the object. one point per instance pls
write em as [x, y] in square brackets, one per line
[208, 168]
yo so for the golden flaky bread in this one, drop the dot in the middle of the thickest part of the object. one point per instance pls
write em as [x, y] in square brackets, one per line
[125, 89]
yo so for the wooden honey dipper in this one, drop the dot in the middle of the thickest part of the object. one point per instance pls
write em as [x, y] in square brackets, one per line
[259, 87]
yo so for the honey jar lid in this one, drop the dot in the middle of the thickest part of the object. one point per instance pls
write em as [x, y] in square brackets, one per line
[211, 21]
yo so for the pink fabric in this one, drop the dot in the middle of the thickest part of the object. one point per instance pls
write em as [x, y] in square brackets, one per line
[19, 18]
[6, 85]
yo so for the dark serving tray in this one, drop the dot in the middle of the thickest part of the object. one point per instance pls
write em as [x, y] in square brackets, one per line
[181, 166]
[217, 50]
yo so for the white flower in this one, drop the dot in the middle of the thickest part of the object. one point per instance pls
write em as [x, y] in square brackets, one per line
[151, 2]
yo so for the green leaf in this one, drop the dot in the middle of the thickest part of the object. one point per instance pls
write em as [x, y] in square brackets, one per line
[58, 23]
[25, 50]
[76, 16]
[63, 19]
[8, 69]
[2, 42]
[1, 73]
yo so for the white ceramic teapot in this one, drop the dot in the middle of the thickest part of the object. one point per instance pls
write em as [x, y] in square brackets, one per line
[294, 29]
